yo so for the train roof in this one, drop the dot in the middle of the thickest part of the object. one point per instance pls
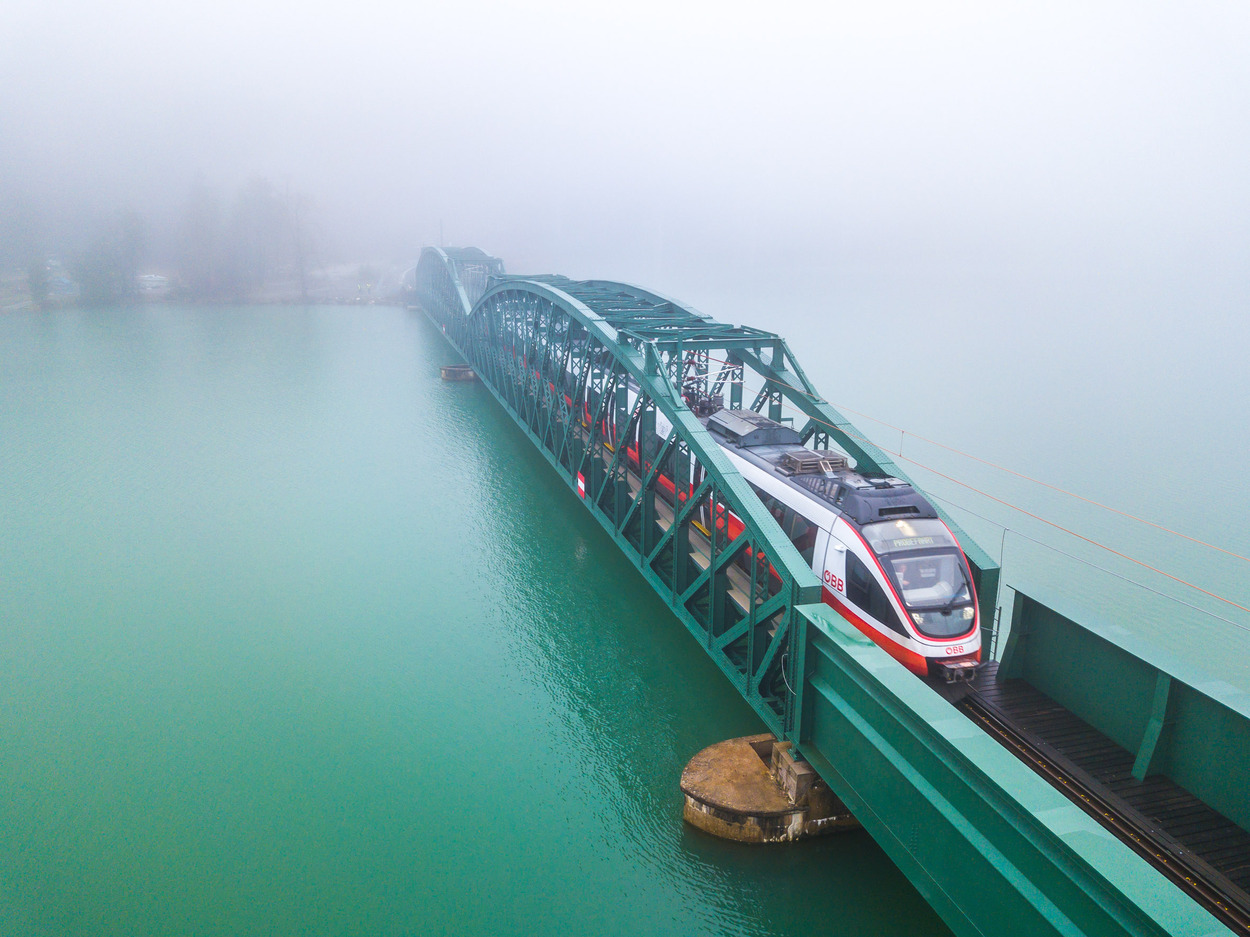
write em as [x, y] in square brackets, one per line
[862, 498]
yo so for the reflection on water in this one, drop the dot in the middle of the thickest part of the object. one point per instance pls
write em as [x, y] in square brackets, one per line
[300, 639]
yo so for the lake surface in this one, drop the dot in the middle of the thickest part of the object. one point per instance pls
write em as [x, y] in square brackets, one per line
[298, 639]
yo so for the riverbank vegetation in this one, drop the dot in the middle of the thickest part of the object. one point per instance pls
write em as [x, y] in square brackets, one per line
[258, 243]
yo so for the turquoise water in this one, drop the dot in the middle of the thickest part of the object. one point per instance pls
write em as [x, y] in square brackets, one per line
[298, 639]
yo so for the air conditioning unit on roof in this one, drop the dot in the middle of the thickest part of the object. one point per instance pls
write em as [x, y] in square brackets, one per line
[812, 462]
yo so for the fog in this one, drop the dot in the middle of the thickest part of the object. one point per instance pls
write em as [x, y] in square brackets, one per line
[1060, 183]
[635, 141]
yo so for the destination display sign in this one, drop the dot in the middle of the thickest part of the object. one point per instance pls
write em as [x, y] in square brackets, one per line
[907, 543]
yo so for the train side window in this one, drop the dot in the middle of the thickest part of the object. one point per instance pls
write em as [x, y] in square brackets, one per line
[864, 590]
[858, 581]
[772, 505]
[802, 534]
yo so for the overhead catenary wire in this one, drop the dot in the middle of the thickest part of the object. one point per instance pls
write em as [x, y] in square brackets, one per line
[1072, 556]
[1072, 533]
[1052, 487]
[1002, 468]
[1014, 507]
[1037, 517]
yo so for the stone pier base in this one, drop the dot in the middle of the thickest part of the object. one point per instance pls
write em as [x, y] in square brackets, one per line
[752, 790]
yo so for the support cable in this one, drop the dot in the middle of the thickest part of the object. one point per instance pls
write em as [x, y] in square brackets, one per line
[1045, 484]
[1008, 504]
[1038, 517]
[1072, 556]
[1010, 471]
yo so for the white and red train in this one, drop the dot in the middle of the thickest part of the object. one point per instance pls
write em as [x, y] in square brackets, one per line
[886, 560]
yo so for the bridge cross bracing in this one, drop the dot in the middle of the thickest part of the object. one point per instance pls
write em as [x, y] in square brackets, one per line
[583, 366]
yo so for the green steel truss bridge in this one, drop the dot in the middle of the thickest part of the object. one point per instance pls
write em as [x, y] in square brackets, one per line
[991, 845]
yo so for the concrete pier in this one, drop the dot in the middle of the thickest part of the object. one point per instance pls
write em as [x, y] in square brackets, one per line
[752, 790]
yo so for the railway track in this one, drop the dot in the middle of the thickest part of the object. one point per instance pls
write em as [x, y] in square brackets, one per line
[1206, 885]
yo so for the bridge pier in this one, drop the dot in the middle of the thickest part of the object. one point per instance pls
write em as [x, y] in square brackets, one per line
[752, 790]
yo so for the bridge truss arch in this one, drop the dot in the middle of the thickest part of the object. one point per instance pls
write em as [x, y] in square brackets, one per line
[450, 280]
[598, 374]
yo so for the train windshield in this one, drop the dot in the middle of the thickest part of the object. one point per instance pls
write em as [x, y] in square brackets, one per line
[924, 561]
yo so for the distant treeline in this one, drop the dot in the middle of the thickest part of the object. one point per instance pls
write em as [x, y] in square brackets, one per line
[228, 252]
[215, 248]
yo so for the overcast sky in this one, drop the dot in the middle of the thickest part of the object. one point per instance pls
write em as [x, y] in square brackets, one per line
[996, 169]
[564, 135]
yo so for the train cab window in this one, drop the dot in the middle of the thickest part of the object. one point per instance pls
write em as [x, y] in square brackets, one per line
[863, 589]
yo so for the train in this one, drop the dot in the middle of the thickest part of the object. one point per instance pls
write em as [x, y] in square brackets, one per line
[886, 560]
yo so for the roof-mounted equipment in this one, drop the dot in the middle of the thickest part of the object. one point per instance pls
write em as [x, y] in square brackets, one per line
[812, 462]
[746, 428]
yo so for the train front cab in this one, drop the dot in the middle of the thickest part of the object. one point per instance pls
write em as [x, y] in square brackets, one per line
[907, 586]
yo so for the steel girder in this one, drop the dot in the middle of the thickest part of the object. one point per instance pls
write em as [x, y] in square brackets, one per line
[537, 340]
[673, 504]
[989, 844]
[703, 356]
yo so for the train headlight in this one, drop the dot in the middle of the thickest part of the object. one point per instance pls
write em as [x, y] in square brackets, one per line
[969, 613]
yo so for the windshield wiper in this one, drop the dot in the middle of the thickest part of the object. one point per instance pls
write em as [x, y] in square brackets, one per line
[944, 609]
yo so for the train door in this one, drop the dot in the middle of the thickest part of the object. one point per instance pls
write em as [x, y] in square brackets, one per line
[833, 576]
[822, 543]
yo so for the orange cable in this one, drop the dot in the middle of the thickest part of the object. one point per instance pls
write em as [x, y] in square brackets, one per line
[1066, 530]
[1028, 513]
[1003, 468]
[1073, 533]
[1038, 481]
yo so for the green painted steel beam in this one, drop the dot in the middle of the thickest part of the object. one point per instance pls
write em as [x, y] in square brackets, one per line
[512, 336]
[990, 845]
